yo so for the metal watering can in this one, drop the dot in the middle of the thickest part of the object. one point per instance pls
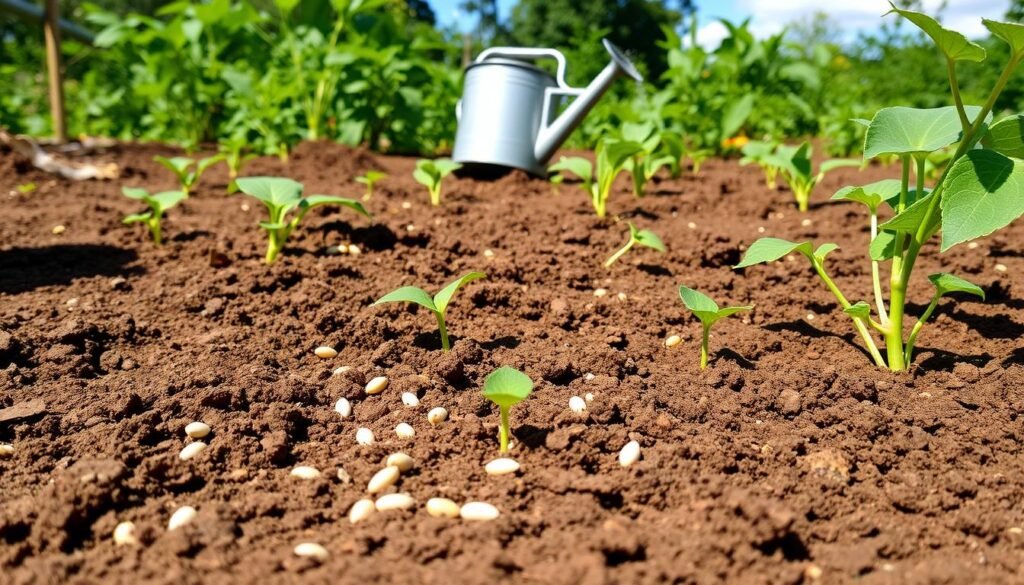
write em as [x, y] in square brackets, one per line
[507, 113]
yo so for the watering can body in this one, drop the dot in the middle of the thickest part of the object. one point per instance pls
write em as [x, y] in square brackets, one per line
[508, 116]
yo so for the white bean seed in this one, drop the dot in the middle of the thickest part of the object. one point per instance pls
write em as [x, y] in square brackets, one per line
[382, 480]
[589, 397]
[354, 250]
[305, 472]
[629, 454]
[405, 431]
[442, 508]
[577, 404]
[394, 502]
[673, 340]
[478, 511]
[191, 450]
[325, 352]
[502, 466]
[311, 550]
[361, 510]
[1001, 268]
[437, 415]
[343, 407]
[409, 399]
[400, 460]
[364, 436]
[197, 430]
[181, 517]
[124, 534]
[6, 450]
[340, 370]
[377, 385]
[600, 292]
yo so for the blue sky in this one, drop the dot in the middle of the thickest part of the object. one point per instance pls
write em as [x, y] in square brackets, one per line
[770, 16]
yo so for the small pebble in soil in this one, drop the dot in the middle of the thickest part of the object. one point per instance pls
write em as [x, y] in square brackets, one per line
[410, 228]
[245, 207]
[405, 431]
[589, 397]
[488, 253]
[813, 572]
[806, 223]
[810, 316]
[343, 407]
[376, 385]
[340, 370]
[6, 450]
[478, 511]
[364, 436]
[383, 479]
[361, 510]
[305, 472]
[400, 460]
[1000, 267]
[760, 229]
[191, 450]
[600, 292]
[437, 415]
[691, 225]
[972, 245]
[58, 230]
[577, 404]
[629, 454]
[197, 430]
[394, 502]
[325, 352]
[409, 399]
[406, 205]
[354, 250]
[442, 508]
[182, 516]
[124, 534]
[311, 550]
[501, 466]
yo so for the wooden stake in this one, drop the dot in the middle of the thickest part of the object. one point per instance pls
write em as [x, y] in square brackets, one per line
[51, 29]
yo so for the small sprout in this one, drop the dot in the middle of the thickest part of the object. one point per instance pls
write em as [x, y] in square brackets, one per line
[762, 154]
[182, 167]
[611, 160]
[707, 311]
[430, 173]
[438, 304]
[646, 162]
[645, 238]
[506, 387]
[795, 166]
[282, 195]
[26, 188]
[232, 152]
[370, 179]
[158, 204]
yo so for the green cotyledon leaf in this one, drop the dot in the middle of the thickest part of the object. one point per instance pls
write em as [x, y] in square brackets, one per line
[444, 296]
[507, 386]
[767, 250]
[275, 192]
[408, 294]
[946, 283]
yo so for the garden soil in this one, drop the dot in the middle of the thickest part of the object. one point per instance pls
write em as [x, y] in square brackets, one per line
[791, 459]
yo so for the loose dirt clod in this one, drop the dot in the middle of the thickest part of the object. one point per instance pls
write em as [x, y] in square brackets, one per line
[502, 466]
[376, 385]
[343, 407]
[478, 511]
[409, 399]
[361, 510]
[311, 550]
[382, 480]
[405, 431]
[442, 508]
[437, 415]
[394, 502]
[182, 516]
[305, 472]
[124, 534]
[400, 460]
[191, 450]
[577, 404]
[673, 340]
[197, 430]
[364, 436]
[629, 454]
[325, 352]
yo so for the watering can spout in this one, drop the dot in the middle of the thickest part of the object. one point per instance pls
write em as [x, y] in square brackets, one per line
[552, 135]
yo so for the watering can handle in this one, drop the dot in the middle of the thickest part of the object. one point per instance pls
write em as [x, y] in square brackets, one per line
[527, 53]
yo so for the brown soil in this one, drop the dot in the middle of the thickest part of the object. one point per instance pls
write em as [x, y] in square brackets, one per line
[789, 460]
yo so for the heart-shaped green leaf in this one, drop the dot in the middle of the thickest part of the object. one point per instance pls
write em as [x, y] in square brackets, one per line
[177, 165]
[408, 294]
[166, 200]
[947, 283]
[275, 192]
[883, 247]
[771, 249]
[984, 192]
[954, 45]
[315, 200]
[134, 192]
[371, 177]
[824, 250]
[1006, 136]
[646, 238]
[705, 309]
[901, 130]
[444, 296]
[870, 195]
[1011, 32]
[507, 386]
[576, 165]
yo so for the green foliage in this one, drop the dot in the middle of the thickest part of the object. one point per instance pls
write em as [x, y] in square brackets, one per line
[796, 168]
[370, 179]
[233, 153]
[281, 196]
[437, 305]
[708, 313]
[430, 174]
[762, 154]
[612, 156]
[187, 170]
[645, 163]
[506, 387]
[645, 238]
[157, 203]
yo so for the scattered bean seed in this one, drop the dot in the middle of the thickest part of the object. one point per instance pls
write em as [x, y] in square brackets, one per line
[383, 479]
[394, 502]
[409, 399]
[691, 225]
[1001, 268]
[182, 516]
[437, 415]
[502, 466]
[442, 508]
[325, 352]
[400, 460]
[622, 297]
[6, 450]
[354, 250]
[197, 430]
[629, 454]
[58, 230]
[478, 511]
[405, 431]
[340, 370]
[364, 436]
[806, 222]
[589, 397]
[377, 385]
[343, 407]
[311, 550]
[488, 253]
[361, 510]
[191, 450]
[305, 472]
[406, 205]
[600, 292]
[673, 340]
[577, 404]
[124, 534]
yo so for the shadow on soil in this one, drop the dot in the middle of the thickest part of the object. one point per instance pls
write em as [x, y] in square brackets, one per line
[946, 361]
[25, 269]
[806, 330]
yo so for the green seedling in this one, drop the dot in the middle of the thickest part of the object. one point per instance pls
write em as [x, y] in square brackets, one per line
[506, 387]
[233, 153]
[761, 153]
[611, 158]
[697, 158]
[675, 149]
[707, 311]
[645, 163]
[430, 173]
[188, 170]
[158, 204]
[437, 305]
[795, 166]
[281, 196]
[370, 179]
[645, 238]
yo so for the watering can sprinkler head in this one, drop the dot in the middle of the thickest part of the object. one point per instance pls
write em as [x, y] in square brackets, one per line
[507, 114]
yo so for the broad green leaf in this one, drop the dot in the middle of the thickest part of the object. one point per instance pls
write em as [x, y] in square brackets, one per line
[137, 217]
[314, 200]
[425, 177]
[726, 311]
[576, 165]
[617, 151]
[984, 192]
[1006, 136]
[507, 387]
[946, 283]
[408, 294]
[647, 238]
[273, 191]
[1011, 32]
[134, 192]
[756, 151]
[446, 167]
[736, 115]
[637, 132]
[883, 247]
[442, 298]
[771, 249]
[207, 162]
[901, 130]
[871, 194]
[911, 218]
[893, 200]
[700, 304]
[836, 163]
[824, 250]
[371, 177]
[860, 310]
[178, 164]
[167, 200]
[952, 44]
